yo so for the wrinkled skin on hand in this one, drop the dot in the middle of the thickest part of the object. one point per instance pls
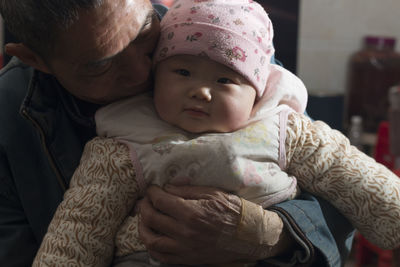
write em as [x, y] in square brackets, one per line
[184, 225]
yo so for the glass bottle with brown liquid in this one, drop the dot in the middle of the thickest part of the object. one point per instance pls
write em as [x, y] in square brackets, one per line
[371, 72]
[394, 124]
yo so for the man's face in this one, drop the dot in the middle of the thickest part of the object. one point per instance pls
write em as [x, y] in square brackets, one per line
[106, 54]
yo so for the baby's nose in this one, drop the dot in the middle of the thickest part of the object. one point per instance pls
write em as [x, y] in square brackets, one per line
[201, 93]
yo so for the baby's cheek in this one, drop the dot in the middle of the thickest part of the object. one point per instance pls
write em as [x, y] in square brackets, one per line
[236, 120]
[234, 112]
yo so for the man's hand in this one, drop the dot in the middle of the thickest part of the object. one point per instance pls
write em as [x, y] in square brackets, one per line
[185, 224]
[203, 225]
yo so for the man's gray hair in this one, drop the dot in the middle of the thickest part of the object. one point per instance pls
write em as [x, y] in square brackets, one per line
[37, 23]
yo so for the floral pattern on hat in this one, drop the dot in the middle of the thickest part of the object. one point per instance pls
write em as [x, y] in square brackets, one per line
[236, 33]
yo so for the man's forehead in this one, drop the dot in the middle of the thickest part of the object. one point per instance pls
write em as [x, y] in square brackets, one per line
[104, 31]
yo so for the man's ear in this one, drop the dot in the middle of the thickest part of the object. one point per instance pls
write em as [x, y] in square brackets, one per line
[27, 55]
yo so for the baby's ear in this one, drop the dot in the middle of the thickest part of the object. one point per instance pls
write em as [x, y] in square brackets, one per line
[27, 56]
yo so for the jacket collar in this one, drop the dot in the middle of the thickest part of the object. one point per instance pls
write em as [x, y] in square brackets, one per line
[62, 127]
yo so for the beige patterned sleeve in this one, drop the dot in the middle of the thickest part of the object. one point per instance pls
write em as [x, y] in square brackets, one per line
[102, 192]
[325, 164]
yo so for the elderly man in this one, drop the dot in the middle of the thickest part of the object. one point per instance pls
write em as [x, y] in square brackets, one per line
[75, 56]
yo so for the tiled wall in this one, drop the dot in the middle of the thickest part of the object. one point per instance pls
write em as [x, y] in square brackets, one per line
[331, 30]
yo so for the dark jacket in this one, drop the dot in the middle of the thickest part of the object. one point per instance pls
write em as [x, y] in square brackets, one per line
[40, 147]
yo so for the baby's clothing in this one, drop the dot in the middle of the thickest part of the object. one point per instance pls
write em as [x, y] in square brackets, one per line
[258, 162]
[321, 158]
[252, 153]
[92, 224]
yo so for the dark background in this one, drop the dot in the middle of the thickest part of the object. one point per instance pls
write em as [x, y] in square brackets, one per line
[284, 15]
[8, 38]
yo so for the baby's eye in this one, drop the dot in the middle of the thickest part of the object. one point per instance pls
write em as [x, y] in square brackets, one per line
[225, 80]
[183, 72]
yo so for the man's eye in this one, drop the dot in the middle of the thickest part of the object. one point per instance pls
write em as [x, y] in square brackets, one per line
[183, 72]
[100, 68]
[225, 80]
[149, 29]
[143, 36]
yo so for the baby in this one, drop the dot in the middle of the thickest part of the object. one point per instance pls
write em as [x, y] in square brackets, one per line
[220, 115]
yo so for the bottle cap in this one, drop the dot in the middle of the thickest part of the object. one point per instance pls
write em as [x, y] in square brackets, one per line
[356, 119]
[394, 97]
[380, 41]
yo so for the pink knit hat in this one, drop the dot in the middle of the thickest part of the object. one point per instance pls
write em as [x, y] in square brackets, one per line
[236, 33]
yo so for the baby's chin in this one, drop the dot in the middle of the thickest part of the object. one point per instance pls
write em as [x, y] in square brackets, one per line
[196, 130]
[207, 130]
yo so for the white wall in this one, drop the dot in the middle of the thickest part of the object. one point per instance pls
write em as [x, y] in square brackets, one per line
[331, 30]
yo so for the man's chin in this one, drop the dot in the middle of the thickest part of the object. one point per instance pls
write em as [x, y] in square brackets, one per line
[126, 93]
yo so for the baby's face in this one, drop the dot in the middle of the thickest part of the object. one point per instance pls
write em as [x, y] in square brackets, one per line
[200, 95]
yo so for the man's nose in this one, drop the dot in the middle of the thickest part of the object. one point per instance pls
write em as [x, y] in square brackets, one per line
[134, 66]
[201, 93]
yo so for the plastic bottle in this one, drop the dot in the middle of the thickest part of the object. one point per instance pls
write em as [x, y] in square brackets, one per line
[355, 132]
[371, 72]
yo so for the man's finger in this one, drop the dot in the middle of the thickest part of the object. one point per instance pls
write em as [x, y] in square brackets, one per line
[157, 242]
[177, 201]
[169, 204]
[190, 191]
[160, 222]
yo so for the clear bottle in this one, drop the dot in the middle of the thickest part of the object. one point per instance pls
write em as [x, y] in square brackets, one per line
[355, 132]
[371, 72]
